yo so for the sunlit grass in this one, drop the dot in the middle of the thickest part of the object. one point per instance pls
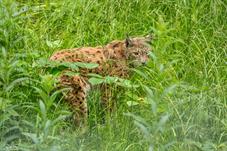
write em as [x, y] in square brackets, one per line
[178, 101]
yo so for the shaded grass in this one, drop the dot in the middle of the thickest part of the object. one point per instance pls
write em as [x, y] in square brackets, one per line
[182, 94]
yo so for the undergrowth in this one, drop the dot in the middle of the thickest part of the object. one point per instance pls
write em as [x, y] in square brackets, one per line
[177, 102]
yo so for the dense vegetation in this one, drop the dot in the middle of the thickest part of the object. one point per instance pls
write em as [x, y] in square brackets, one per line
[177, 102]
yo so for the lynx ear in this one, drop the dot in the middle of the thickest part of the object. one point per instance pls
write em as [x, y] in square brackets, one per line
[128, 42]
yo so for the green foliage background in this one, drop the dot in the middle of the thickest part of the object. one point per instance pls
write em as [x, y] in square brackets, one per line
[180, 103]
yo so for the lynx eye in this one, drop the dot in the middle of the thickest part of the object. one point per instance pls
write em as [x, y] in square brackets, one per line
[136, 53]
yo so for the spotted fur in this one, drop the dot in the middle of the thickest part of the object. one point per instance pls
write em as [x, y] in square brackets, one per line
[114, 59]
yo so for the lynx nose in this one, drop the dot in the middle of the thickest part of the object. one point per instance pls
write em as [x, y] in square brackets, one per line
[144, 60]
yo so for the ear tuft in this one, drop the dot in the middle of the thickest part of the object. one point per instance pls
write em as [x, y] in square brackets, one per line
[128, 42]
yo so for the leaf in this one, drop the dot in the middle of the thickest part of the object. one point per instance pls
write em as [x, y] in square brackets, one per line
[42, 109]
[43, 62]
[21, 11]
[149, 92]
[162, 122]
[169, 90]
[110, 80]
[69, 65]
[208, 146]
[10, 130]
[95, 81]
[4, 101]
[163, 119]
[151, 99]
[14, 83]
[152, 55]
[94, 75]
[47, 83]
[28, 123]
[161, 67]
[42, 94]
[127, 83]
[150, 148]
[71, 73]
[13, 112]
[192, 142]
[143, 129]
[142, 74]
[32, 136]
[53, 44]
[137, 118]
[132, 103]
[4, 52]
[86, 65]
[135, 99]
[59, 118]
[12, 137]
[48, 124]
[52, 98]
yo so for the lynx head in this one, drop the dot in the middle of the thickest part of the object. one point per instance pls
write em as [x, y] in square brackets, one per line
[137, 50]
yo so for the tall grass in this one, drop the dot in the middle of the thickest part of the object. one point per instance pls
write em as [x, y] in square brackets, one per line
[177, 102]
